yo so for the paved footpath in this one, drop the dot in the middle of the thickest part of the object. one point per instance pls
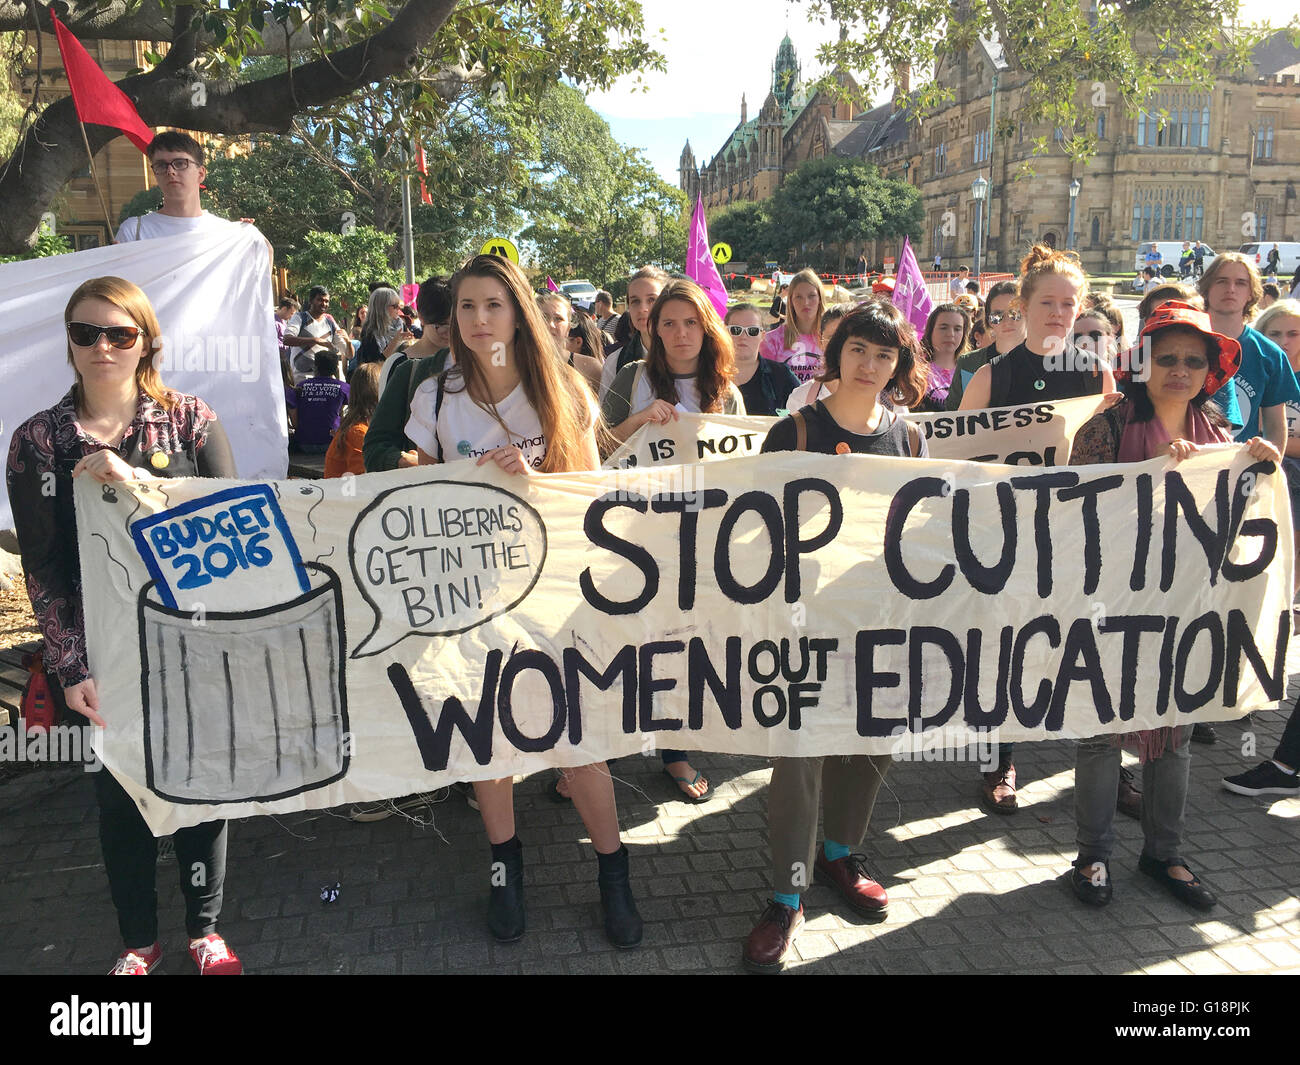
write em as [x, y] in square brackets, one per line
[969, 892]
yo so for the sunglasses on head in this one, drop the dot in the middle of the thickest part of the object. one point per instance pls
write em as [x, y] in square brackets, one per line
[85, 335]
[744, 330]
[1192, 362]
[997, 316]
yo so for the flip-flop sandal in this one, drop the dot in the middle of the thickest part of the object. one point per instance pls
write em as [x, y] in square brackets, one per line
[684, 795]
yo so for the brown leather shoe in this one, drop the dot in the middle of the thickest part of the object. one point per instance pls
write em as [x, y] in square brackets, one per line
[771, 939]
[849, 877]
[998, 790]
[1129, 801]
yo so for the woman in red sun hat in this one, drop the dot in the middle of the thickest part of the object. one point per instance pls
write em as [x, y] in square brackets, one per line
[1166, 410]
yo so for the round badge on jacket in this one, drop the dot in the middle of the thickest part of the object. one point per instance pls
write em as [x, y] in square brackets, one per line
[159, 460]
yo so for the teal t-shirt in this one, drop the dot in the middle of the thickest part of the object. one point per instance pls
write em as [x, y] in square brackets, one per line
[1264, 380]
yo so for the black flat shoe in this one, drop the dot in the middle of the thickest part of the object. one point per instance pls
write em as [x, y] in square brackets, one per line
[1204, 733]
[506, 899]
[1190, 892]
[1092, 890]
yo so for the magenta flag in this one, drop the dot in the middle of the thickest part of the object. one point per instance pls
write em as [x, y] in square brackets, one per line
[910, 294]
[551, 286]
[700, 266]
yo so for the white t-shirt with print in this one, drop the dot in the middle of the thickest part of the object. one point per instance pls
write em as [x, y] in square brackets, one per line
[467, 431]
[806, 395]
[688, 394]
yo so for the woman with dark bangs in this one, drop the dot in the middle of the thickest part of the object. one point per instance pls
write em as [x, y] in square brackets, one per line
[689, 367]
[509, 399]
[873, 349]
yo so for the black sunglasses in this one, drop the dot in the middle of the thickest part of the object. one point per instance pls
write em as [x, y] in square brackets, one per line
[745, 330]
[85, 335]
[997, 316]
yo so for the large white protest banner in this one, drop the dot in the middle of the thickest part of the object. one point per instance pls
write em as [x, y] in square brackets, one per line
[212, 294]
[304, 645]
[1033, 434]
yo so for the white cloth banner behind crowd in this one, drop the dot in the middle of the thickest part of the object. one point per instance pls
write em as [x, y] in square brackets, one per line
[1031, 434]
[302, 645]
[212, 295]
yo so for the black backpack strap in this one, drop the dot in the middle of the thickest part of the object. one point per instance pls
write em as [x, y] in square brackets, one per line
[437, 406]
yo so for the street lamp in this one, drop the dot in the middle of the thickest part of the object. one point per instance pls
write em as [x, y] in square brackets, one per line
[1075, 186]
[979, 188]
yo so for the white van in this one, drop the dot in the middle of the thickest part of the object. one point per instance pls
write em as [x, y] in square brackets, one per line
[1288, 254]
[1169, 251]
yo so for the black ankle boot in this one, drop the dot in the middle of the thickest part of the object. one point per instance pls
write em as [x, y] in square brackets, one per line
[506, 900]
[622, 923]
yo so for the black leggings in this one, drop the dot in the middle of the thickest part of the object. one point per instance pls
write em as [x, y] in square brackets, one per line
[131, 859]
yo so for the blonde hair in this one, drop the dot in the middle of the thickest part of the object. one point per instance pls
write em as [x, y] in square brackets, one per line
[130, 298]
[554, 389]
[1280, 309]
[1042, 261]
[1216, 267]
[792, 334]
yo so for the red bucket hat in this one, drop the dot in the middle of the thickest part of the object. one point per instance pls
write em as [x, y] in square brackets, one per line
[1176, 312]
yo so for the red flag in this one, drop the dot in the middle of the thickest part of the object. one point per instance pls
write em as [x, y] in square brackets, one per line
[96, 98]
[423, 167]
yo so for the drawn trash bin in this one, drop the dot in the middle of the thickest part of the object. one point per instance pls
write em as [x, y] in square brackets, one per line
[245, 706]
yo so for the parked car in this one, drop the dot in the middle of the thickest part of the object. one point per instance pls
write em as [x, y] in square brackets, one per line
[580, 291]
[1288, 253]
[1169, 251]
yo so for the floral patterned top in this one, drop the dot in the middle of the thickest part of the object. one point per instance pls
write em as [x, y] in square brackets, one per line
[187, 441]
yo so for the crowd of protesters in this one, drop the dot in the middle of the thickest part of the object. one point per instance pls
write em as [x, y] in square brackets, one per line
[483, 369]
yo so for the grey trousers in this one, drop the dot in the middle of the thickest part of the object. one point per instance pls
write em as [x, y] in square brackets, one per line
[846, 786]
[1164, 797]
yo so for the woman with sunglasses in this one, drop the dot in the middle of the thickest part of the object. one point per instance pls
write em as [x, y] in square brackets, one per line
[118, 422]
[764, 384]
[1167, 415]
[1007, 329]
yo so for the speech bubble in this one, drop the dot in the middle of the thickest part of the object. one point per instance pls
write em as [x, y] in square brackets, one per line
[442, 557]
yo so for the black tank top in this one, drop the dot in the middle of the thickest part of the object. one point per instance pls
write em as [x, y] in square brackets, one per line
[1020, 376]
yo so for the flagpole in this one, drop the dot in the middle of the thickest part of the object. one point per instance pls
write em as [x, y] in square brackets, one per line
[95, 178]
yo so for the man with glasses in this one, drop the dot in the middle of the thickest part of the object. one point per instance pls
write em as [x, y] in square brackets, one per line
[176, 160]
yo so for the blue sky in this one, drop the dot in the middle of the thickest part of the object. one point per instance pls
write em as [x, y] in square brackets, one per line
[715, 51]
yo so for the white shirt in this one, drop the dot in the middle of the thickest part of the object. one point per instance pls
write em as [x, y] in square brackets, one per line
[688, 394]
[957, 285]
[154, 225]
[467, 431]
[806, 395]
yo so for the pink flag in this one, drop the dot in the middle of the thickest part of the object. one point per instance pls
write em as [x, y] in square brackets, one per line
[910, 294]
[551, 286]
[700, 266]
[409, 292]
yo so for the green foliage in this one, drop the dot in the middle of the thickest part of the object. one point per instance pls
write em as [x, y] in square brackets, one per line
[597, 209]
[287, 192]
[47, 244]
[345, 263]
[825, 203]
[1066, 48]
[14, 55]
[143, 202]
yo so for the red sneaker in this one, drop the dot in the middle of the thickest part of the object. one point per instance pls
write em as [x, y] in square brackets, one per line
[137, 962]
[214, 958]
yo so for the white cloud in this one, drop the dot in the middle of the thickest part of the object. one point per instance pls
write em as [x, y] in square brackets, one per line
[715, 51]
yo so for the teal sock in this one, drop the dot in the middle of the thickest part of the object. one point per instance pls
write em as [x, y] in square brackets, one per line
[834, 851]
[788, 900]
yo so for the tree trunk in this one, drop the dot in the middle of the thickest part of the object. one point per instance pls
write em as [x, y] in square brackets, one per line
[51, 152]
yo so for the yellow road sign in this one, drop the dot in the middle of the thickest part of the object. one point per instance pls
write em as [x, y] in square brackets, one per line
[721, 253]
[502, 247]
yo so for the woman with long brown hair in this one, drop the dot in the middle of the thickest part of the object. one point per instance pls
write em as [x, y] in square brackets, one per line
[118, 422]
[947, 337]
[690, 365]
[510, 400]
[690, 361]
